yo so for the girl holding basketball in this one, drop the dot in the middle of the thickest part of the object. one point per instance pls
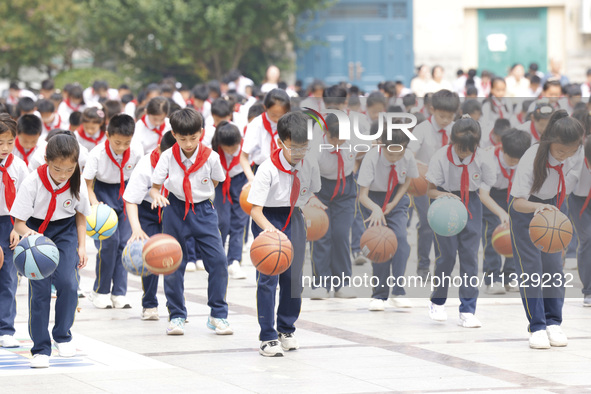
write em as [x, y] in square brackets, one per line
[547, 172]
[51, 202]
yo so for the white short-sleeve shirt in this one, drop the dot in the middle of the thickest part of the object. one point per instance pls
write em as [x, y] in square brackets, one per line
[428, 139]
[140, 182]
[100, 166]
[38, 158]
[488, 156]
[375, 170]
[144, 137]
[257, 140]
[89, 145]
[18, 172]
[41, 144]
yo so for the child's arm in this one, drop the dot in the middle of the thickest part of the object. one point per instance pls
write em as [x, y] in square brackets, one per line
[91, 196]
[433, 193]
[493, 206]
[259, 218]
[377, 216]
[399, 193]
[244, 162]
[81, 230]
[315, 202]
[158, 200]
[136, 228]
[21, 228]
[524, 206]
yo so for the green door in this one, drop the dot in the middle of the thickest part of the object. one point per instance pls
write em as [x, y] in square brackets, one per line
[511, 35]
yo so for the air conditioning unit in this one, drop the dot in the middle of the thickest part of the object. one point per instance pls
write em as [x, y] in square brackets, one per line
[586, 16]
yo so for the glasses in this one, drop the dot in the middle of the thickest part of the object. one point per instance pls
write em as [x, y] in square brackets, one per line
[296, 150]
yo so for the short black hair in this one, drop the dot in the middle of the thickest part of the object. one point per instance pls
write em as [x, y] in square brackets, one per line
[501, 126]
[173, 106]
[7, 124]
[466, 134]
[277, 97]
[112, 108]
[200, 92]
[220, 108]
[75, 118]
[186, 121]
[398, 137]
[515, 142]
[293, 126]
[374, 98]
[121, 124]
[409, 100]
[158, 106]
[29, 125]
[551, 82]
[445, 100]
[332, 125]
[47, 84]
[334, 95]
[25, 104]
[470, 106]
[167, 141]
[45, 106]
[255, 110]
[100, 85]
[226, 134]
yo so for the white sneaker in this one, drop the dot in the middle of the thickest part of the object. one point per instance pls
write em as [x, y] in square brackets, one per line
[539, 340]
[100, 301]
[271, 349]
[437, 312]
[587, 300]
[176, 326]
[288, 341]
[468, 320]
[512, 287]
[66, 349]
[220, 326]
[345, 292]
[495, 288]
[200, 266]
[399, 302]
[319, 293]
[120, 302]
[555, 336]
[360, 259]
[9, 341]
[150, 314]
[40, 361]
[235, 271]
[191, 267]
[377, 305]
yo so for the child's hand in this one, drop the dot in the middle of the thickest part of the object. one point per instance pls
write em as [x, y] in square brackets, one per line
[29, 232]
[390, 206]
[315, 202]
[14, 238]
[94, 201]
[270, 229]
[544, 207]
[83, 258]
[138, 235]
[159, 201]
[376, 218]
[446, 194]
[247, 184]
[504, 217]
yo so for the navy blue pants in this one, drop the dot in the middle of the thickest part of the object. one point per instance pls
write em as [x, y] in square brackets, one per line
[8, 280]
[193, 252]
[465, 246]
[331, 255]
[583, 226]
[424, 233]
[358, 226]
[65, 279]
[493, 262]
[396, 266]
[290, 282]
[203, 226]
[543, 304]
[111, 277]
[571, 250]
[233, 221]
[151, 226]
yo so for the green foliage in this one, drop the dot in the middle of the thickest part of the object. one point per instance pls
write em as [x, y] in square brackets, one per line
[86, 76]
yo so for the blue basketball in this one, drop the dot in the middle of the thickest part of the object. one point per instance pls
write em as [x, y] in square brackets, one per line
[132, 259]
[36, 257]
[102, 222]
[447, 216]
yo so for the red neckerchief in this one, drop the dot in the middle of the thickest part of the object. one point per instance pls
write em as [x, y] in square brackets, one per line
[392, 183]
[465, 183]
[157, 130]
[267, 125]
[588, 195]
[295, 188]
[520, 117]
[49, 127]
[237, 107]
[534, 132]
[498, 106]
[124, 161]
[561, 190]
[9, 188]
[444, 139]
[42, 171]
[235, 161]
[507, 175]
[490, 138]
[85, 137]
[200, 160]
[67, 101]
[21, 150]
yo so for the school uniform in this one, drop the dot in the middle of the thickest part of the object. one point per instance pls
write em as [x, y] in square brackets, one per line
[260, 138]
[232, 219]
[494, 108]
[55, 124]
[65, 109]
[543, 306]
[383, 178]
[137, 192]
[462, 178]
[32, 203]
[207, 134]
[110, 173]
[580, 215]
[147, 135]
[25, 155]
[500, 193]
[90, 141]
[281, 190]
[38, 158]
[530, 128]
[192, 214]
[13, 172]
[430, 137]
[331, 254]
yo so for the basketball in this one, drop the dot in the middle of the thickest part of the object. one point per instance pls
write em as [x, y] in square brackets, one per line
[379, 244]
[102, 222]
[447, 216]
[36, 257]
[132, 259]
[501, 240]
[245, 205]
[1, 258]
[162, 254]
[316, 223]
[271, 253]
[418, 186]
[550, 231]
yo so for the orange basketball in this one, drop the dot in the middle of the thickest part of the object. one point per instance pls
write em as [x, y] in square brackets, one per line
[550, 231]
[501, 240]
[379, 244]
[271, 253]
[418, 186]
[245, 205]
[1, 258]
[316, 223]
[162, 254]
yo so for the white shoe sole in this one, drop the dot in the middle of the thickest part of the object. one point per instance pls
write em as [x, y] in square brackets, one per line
[264, 354]
[539, 346]
[151, 317]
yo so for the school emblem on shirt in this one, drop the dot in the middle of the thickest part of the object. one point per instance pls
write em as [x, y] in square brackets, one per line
[303, 191]
[205, 181]
[67, 203]
[476, 176]
[403, 174]
[128, 167]
[351, 156]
